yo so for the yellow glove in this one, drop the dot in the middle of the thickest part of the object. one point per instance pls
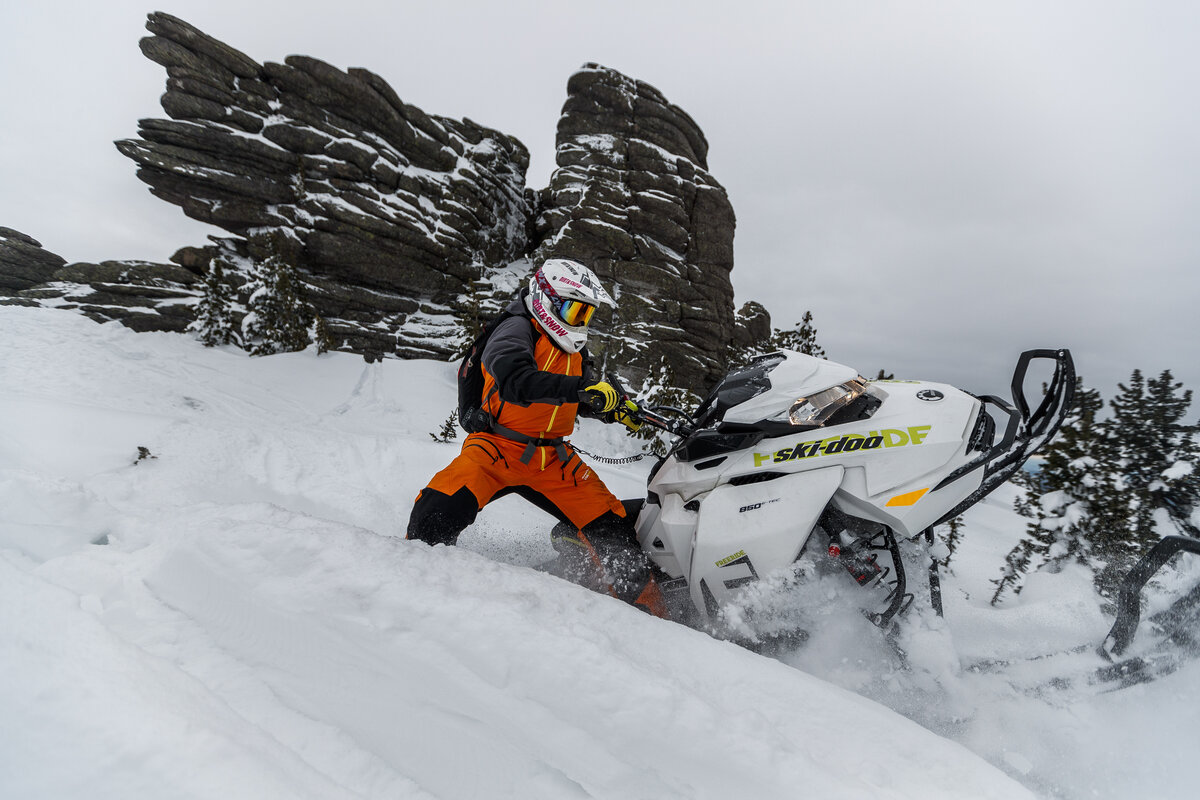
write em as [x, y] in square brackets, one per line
[602, 397]
[626, 414]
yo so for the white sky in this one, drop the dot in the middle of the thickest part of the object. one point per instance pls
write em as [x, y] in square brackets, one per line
[942, 183]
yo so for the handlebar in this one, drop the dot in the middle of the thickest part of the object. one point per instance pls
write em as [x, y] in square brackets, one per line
[651, 416]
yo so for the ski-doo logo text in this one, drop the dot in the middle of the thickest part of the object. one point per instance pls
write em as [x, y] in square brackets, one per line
[888, 437]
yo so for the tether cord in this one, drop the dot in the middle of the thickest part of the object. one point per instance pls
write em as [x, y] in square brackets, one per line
[606, 460]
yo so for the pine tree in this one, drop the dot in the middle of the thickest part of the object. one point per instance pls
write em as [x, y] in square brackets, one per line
[1016, 565]
[1062, 497]
[1155, 456]
[214, 314]
[661, 389]
[278, 318]
[801, 338]
[318, 334]
[1075, 476]
[1106, 486]
[1160, 451]
[471, 312]
[449, 429]
[1027, 482]
[953, 534]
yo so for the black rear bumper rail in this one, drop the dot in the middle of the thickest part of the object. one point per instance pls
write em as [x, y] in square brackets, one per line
[1025, 432]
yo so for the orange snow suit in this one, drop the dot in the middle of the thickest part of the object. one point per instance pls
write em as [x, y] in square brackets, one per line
[531, 389]
[491, 462]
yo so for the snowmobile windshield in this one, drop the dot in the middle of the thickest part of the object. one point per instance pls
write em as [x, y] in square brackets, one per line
[739, 386]
[816, 409]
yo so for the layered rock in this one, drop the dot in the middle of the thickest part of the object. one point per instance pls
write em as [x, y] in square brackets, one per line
[405, 228]
[633, 198]
[23, 262]
[143, 295]
[395, 212]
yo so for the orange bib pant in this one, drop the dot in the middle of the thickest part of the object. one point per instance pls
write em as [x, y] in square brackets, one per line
[595, 537]
[490, 464]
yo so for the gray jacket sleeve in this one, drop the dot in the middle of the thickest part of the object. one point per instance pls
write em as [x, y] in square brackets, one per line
[508, 356]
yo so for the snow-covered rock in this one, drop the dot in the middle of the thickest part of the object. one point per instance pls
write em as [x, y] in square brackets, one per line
[404, 227]
[632, 196]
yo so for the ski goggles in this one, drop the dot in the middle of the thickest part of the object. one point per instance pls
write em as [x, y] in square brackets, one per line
[576, 313]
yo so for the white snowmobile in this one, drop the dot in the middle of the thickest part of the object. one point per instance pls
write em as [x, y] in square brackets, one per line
[792, 449]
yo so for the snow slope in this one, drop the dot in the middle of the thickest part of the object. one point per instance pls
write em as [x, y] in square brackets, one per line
[236, 615]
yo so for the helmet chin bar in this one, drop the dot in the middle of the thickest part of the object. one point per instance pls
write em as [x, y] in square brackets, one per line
[571, 339]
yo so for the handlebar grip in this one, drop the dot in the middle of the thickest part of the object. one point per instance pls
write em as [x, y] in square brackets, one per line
[644, 415]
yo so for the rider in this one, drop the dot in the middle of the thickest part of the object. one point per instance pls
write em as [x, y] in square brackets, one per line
[537, 376]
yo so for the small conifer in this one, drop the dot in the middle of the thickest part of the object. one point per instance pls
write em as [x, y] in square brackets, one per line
[802, 338]
[277, 318]
[214, 314]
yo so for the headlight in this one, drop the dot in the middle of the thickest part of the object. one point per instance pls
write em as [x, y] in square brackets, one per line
[813, 410]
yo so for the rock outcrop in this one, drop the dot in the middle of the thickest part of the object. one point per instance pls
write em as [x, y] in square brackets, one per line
[23, 262]
[143, 295]
[633, 198]
[394, 212]
[404, 227]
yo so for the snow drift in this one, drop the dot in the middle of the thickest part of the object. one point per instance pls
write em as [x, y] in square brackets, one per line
[231, 611]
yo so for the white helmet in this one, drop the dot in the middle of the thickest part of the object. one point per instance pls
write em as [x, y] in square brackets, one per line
[563, 296]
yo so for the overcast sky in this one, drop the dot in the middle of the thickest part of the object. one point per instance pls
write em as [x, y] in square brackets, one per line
[943, 184]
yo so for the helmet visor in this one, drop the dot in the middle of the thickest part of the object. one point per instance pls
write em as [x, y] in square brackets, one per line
[576, 313]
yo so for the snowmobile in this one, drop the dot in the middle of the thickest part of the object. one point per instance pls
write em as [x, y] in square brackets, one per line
[789, 450]
[791, 454]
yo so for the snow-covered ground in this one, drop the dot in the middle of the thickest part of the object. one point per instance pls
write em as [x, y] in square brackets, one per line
[237, 615]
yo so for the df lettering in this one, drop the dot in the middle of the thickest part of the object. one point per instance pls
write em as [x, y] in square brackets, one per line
[895, 438]
[850, 443]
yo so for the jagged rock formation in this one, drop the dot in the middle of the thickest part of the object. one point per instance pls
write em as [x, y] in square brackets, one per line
[632, 197]
[401, 225]
[393, 212]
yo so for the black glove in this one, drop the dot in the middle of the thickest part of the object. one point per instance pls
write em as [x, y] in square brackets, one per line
[601, 397]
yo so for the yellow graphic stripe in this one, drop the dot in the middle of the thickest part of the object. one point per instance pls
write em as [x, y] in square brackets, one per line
[546, 368]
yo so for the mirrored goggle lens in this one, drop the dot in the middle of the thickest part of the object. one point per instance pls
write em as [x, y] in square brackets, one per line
[576, 312]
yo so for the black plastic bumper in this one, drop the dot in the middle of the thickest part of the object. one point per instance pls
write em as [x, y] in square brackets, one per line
[1025, 432]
